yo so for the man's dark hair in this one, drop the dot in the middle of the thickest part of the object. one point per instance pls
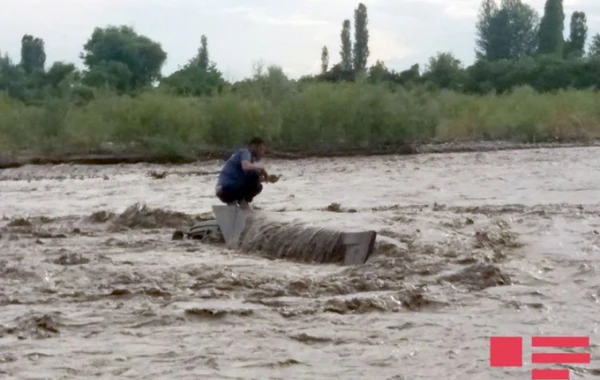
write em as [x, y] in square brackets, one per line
[257, 141]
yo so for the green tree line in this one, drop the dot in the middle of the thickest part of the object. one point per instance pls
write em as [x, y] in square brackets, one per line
[514, 47]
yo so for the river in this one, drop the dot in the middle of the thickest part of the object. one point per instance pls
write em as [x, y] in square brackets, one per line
[470, 245]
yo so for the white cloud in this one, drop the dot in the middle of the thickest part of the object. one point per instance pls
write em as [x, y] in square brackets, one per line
[384, 46]
[454, 8]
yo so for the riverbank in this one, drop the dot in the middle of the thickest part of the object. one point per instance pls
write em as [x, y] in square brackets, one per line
[117, 158]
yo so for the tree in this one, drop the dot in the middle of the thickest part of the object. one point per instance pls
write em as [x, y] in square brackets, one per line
[575, 46]
[120, 55]
[485, 30]
[346, 52]
[60, 72]
[62, 80]
[506, 32]
[324, 60]
[33, 55]
[409, 76]
[379, 72]
[268, 82]
[338, 74]
[194, 80]
[203, 60]
[523, 26]
[272, 82]
[198, 77]
[12, 78]
[445, 71]
[112, 74]
[361, 38]
[551, 40]
[594, 50]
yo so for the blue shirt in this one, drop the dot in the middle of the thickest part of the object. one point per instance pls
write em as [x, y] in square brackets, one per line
[232, 174]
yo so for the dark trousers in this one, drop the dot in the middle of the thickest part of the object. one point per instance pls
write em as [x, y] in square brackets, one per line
[246, 191]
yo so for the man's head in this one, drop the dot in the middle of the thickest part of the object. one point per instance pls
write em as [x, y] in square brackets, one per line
[258, 147]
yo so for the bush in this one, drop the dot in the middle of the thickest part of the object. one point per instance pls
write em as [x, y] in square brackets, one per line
[307, 117]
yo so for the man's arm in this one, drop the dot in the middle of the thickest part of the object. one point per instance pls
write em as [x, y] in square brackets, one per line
[247, 165]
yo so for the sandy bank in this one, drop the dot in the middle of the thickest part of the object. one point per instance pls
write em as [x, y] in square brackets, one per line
[135, 158]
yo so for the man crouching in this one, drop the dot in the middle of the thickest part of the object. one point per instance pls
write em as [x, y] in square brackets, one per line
[240, 179]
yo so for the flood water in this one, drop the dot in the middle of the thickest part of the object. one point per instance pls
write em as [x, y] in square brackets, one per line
[469, 246]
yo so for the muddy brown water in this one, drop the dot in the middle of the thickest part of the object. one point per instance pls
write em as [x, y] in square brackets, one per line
[470, 246]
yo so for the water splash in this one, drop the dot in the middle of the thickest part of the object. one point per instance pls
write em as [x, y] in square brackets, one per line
[292, 240]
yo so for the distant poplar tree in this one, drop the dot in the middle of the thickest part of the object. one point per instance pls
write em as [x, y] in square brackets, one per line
[551, 40]
[346, 52]
[361, 38]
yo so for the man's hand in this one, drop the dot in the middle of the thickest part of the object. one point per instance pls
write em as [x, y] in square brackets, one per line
[263, 174]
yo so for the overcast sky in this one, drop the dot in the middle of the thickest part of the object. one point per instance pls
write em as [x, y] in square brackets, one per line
[289, 33]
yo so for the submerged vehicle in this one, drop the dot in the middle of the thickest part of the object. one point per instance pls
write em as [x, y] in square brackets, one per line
[251, 230]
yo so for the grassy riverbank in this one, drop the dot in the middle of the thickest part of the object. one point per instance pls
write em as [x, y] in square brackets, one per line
[313, 118]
